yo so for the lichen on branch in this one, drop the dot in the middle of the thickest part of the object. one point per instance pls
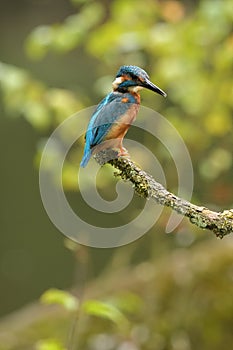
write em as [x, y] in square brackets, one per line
[220, 223]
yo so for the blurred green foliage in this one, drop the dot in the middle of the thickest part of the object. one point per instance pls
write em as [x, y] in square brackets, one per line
[181, 301]
[27, 97]
[178, 302]
[66, 36]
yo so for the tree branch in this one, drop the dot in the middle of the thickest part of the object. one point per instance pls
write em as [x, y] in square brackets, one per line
[220, 223]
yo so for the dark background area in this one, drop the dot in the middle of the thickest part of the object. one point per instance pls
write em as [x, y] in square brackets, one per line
[28, 266]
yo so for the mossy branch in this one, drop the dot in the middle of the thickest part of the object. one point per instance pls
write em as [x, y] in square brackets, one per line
[220, 223]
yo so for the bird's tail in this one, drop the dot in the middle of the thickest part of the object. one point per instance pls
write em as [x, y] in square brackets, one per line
[86, 158]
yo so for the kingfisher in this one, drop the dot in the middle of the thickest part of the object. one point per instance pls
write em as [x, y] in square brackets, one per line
[116, 112]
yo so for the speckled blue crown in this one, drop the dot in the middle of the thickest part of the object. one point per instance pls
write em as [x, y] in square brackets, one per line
[133, 71]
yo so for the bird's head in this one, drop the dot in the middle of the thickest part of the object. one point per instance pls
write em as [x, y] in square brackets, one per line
[133, 78]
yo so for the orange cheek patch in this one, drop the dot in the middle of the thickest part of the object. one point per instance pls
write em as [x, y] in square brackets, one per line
[125, 99]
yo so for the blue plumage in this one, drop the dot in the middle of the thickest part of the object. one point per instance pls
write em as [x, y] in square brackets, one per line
[117, 110]
[109, 110]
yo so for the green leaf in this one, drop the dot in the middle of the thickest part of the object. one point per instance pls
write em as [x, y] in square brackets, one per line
[49, 344]
[128, 302]
[107, 311]
[56, 296]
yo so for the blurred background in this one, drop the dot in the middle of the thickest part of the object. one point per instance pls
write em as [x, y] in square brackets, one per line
[60, 57]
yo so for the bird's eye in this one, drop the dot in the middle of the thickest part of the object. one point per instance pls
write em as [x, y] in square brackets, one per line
[133, 76]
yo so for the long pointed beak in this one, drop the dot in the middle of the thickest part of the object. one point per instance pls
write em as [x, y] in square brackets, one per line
[149, 85]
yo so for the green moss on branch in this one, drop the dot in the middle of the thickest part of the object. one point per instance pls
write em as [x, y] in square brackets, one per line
[220, 223]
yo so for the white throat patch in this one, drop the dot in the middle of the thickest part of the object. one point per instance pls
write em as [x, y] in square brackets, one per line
[117, 82]
[135, 88]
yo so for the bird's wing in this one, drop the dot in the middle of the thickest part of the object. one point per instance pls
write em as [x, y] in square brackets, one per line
[109, 110]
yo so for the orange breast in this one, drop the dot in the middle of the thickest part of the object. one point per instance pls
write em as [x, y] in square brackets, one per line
[121, 126]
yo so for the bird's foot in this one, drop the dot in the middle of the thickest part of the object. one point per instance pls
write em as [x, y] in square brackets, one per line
[123, 152]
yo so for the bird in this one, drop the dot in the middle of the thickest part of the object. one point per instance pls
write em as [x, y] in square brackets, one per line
[116, 112]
